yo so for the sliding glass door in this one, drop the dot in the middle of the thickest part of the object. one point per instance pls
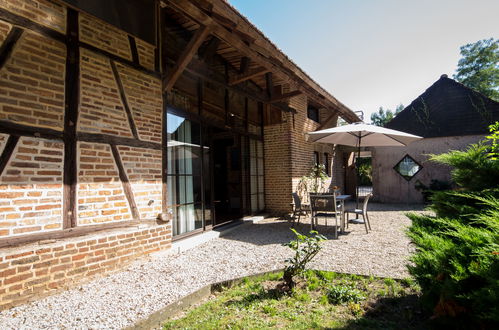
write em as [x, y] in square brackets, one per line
[185, 185]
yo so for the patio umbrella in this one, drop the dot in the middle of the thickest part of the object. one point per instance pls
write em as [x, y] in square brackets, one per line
[362, 135]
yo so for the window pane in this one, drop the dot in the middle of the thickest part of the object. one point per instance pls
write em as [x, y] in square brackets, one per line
[407, 167]
[261, 202]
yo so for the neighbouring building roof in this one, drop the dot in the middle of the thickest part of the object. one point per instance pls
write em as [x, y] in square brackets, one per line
[447, 108]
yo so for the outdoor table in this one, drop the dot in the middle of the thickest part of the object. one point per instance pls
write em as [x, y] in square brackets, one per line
[341, 199]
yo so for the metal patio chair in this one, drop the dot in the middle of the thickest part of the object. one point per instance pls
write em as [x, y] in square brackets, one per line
[299, 208]
[325, 207]
[362, 212]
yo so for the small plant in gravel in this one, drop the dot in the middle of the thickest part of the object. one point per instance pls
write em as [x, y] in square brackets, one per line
[305, 248]
[341, 294]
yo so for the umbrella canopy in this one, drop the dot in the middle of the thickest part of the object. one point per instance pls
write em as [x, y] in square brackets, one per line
[362, 135]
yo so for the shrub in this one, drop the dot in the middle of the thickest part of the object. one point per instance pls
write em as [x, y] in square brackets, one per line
[341, 294]
[457, 258]
[306, 248]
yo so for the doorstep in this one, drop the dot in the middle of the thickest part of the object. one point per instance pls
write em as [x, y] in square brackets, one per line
[196, 240]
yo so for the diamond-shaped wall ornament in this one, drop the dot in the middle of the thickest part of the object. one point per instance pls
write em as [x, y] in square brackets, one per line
[407, 167]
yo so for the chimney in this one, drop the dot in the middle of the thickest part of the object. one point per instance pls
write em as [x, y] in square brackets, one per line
[443, 76]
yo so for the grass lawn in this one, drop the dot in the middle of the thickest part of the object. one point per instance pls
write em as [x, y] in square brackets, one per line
[321, 300]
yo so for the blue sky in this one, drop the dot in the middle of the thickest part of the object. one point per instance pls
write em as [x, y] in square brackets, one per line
[372, 53]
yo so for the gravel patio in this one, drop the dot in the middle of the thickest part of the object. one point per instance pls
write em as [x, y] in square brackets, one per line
[120, 299]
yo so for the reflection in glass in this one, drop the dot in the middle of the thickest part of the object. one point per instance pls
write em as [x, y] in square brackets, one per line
[407, 167]
[184, 174]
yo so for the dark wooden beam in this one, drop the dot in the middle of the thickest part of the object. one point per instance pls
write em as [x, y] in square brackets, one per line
[119, 59]
[133, 49]
[71, 101]
[244, 65]
[244, 77]
[65, 233]
[11, 128]
[124, 101]
[329, 120]
[186, 56]
[127, 188]
[264, 58]
[8, 44]
[270, 85]
[285, 96]
[116, 140]
[14, 19]
[7, 152]
[208, 52]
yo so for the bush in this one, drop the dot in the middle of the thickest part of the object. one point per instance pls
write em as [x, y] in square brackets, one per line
[457, 259]
[341, 294]
[306, 248]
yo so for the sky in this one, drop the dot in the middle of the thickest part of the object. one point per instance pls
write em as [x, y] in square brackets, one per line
[372, 53]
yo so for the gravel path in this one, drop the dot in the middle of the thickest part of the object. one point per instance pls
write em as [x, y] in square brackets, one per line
[122, 298]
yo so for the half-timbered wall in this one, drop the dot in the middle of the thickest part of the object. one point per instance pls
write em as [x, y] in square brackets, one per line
[80, 144]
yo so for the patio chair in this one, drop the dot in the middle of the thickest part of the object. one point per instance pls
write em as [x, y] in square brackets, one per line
[362, 212]
[326, 207]
[299, 208]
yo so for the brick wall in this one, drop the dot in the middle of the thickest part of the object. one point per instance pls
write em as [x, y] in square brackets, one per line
[143, 94]
[101, 197]
[32, 87]
[289, 156]
[143, 167]
[31, 188]
[44, 12]
[104, 36]
[36, 270]
[32, 83]
[101, 108]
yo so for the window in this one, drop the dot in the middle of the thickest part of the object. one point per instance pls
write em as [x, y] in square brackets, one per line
[184, 174]
[313, 113]
[317, 160]
[407, 167]
[256, 176]
[326, 163]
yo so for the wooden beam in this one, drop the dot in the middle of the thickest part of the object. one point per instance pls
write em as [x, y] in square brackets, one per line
[65, 233]
[71, 101]
[8, 44]
[285, 96]
[185, 57]
[133, 48]
[11, 128]
[329, 120]
[208, 52]
[116, 140]
[244, 77]
[14, 19]
[244, 65]
[124, 100]
[305, 83]
[127, 188]
[7, 152]
[270, 85]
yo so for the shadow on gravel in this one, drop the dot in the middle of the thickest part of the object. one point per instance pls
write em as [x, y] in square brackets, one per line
[278, 232]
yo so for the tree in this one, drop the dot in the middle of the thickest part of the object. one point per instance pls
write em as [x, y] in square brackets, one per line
[479, 67]
[383, 116]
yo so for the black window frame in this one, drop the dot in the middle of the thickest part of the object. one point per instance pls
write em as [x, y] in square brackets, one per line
[407, 178]
[317, 158]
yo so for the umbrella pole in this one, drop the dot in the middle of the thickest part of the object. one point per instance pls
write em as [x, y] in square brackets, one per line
[357, 176]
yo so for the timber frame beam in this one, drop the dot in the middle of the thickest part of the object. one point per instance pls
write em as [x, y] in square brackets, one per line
[186, 56]
[247, 76]
[269, 62]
